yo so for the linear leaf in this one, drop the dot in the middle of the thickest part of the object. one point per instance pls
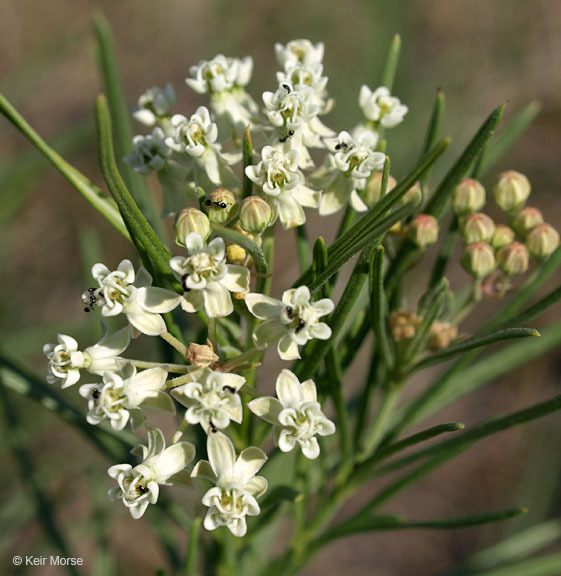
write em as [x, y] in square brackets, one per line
[247, 149]
[392, 60]
[88, 190]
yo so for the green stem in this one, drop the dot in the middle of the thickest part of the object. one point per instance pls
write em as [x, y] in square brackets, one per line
[173, 341]
[303, 247]
[212, 333]
[177, 368]
[193, 548]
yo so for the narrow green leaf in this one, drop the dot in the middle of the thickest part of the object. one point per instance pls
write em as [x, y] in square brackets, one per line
[318, 349]
[139, 228]
[515, 548]
[247, 149]
[475, 342]
[120, 117]
[319, 263]
[386, 523]
[378, 306]
[438, 203]
[541, 306]
[392, 60]
[509, 135]
[435, 124]
[545, 566]
[88, 190]
[191, 559]
[235, 237]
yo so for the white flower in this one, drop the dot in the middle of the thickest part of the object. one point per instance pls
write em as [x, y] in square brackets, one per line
[149, 152]
[154, 104]
[225, 79]
[197, 137]
[283, 185]
[302, 75]
[296, 415]
[350, 167]
[206, 277]
[236, 487]
[299, 51]
[211, 398]
[290, 322]
[66, 360]
[123, 292]
[381, 107]
[121, 397]
[139, 486]
[292, 111]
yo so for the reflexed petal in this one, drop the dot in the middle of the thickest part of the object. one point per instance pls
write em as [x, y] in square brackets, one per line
[72, 376]
[137, 511]
[157, 300]
[335, 197]
[268, 333]
[236, 279]
[238, 527]
[324, 306]
[291, 214]
[266, 408]
[117, 469]
[288, 348]
[99, 271]
[263, 307]
[286, 441]
[309, 391]
[310, 448]
[128, 269]
[210, 522]
[357, 203]
[256, 486]
[69, 343]
[110, 345]
[182, 478]
[156, 441]
[321, 331]
[192, 301]
[235, 381]
[204, 470]
[221, 455]
[145, 322]
[249, 462]
[143, 278]
[172, 460]
[306, 196]
[218, 302]
[161, 402]
[289, 389]
[326, 427]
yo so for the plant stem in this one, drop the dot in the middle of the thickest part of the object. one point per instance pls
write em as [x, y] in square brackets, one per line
[177, 368]
[173, 341]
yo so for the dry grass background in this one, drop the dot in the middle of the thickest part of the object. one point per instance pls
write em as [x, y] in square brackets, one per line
[481, 53]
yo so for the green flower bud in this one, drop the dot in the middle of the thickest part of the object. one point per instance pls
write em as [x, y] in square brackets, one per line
[373, 190]
[423, 230]
[478, 259]
[503, 235]
[513, 259]
[469, 196]
[527, 219]
[191, 220]
[511, 190]
[414, 194]
[255, 215]
[542, 241]
[221, 205]
[477, 227]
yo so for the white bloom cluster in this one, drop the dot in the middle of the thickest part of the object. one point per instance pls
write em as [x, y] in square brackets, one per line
[197, 158]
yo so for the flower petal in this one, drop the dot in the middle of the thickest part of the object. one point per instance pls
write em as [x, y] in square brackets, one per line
[267, 408]
[218, 302]
[204, 470]
[310, 448]
[249, 462]
[289, 389]
[221, 455]
[263, 307]
[145, 322]
[192, 301]
[157, 300]
[256, 486]
[236, 278]
[309, 391]
[161, 402]
[288, 348]
[172, 460]
[268, 333]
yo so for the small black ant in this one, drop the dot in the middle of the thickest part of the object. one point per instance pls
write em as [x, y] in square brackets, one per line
[212, 428]
[341, 146]
[184, 283]
[90, 299]
[285, 138]
[142, 489]
[217, 204]
[95, 393]
[290, 312]
[287, 88]
[229, 389]
[301, 325]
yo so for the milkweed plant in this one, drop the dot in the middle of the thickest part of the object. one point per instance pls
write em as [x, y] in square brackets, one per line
[240, 175]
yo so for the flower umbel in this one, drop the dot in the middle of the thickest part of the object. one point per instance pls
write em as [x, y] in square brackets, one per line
[296, 415]
[139, 486]
[236, 487]
[290, 322]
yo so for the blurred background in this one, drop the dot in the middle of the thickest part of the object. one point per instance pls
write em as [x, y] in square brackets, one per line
[480, 53]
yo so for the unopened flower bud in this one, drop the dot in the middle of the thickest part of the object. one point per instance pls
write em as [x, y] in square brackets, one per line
[502, 236]
[373, 191]
[414, 194]
[404, 324]
[477, 227]
[511, 190]
[423, 230]
[201, 355]
[513, 259]
[542, 241]
[441, 334]
[220, 205]
[191, 220]
[527, 219]
[478, 259]
[255, 215]
[235, 254]
[469, 196]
